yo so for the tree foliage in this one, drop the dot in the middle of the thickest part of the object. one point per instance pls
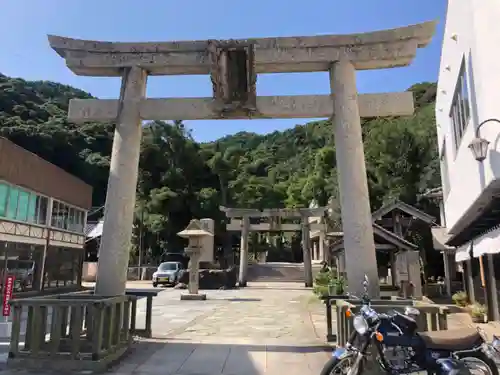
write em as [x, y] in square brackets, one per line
[181, 179]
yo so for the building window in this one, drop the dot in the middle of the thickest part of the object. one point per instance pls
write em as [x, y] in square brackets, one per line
[4, 193]
[460, 106]
[22, 261]
[26, 206]
[41, 205]
[12, 199]
[62, 267]
[22, 205]
[67, 217]
[445, 178]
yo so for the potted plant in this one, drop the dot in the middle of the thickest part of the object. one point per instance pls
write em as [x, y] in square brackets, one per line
[478, 313]
[460, 299]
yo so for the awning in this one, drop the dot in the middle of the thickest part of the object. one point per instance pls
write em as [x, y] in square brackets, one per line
[462, 253]
[95, 232]
[488, 243]
[439, 238]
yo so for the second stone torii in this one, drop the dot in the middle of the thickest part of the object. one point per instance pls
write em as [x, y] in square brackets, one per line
[245, 214]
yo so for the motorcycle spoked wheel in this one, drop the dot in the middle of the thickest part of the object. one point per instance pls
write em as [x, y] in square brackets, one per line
[336, 366]
[476, 363]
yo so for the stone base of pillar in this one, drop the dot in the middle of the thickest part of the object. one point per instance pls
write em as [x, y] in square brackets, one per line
[193, 297]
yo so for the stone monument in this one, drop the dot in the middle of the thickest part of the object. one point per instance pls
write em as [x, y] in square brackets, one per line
[233, 67]
[195, 233]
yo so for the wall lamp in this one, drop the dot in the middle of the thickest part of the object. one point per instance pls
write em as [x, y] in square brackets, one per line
[479, 146]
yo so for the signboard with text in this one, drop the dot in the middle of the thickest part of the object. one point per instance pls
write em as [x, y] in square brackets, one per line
[7, 294]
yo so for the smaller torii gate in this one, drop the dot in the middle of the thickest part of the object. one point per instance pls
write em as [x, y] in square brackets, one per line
[243, 225]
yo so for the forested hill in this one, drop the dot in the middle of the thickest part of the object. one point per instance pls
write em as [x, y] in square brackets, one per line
[180, 178]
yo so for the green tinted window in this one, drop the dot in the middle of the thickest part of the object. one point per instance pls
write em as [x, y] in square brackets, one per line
[32, 209]
[12, 203]
[23, 205]
[4, 192]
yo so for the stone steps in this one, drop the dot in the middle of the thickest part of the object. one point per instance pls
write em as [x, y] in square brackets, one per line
[281, 272]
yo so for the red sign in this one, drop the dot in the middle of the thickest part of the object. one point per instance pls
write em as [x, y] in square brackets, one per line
[7, 294]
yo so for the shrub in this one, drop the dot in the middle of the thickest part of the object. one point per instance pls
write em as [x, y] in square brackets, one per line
[322, 280]
[328, 282]
[478, 310]
[340, 284]
[460, 299]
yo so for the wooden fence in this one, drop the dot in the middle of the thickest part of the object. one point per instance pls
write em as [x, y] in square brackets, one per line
[78, 331]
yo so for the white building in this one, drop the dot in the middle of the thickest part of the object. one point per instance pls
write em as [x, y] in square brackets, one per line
[468, 109]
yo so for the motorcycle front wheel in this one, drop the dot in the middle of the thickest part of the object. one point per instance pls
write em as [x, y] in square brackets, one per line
[342, 366]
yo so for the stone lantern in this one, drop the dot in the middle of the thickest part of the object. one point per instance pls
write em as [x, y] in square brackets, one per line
[195, 233]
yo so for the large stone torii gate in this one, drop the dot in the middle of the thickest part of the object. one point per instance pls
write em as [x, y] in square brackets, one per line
[233, 66]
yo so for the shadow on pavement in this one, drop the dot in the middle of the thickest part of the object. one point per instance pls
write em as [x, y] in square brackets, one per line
[171, 358]
[255, 286]
[236, 299]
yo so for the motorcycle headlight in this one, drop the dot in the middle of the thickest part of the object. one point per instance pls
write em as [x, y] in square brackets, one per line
[360, 324]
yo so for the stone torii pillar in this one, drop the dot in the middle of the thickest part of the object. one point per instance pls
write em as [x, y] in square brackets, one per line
[245, 232]
[120, 198]
[357, 226]
[306, 252]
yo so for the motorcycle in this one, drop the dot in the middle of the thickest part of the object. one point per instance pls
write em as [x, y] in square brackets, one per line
[395, 345]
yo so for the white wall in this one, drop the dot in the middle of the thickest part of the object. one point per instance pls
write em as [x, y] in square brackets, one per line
[476, 24]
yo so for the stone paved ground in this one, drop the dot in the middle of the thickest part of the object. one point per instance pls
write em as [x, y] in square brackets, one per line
[263, 329]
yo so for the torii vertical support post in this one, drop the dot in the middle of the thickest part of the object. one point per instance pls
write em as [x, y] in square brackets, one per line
[120, 198]
[306, 252]
[245, 231]
[356, 213]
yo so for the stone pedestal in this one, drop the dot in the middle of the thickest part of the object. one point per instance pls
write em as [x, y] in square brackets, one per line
[353, 187]
[120, 198]
[245, 231]
[194, 254]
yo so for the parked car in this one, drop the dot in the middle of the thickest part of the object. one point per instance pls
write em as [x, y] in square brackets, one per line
[178, 256]
[168, 273]
[22, 270]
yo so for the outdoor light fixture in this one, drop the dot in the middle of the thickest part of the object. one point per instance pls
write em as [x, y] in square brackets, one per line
[479, 146]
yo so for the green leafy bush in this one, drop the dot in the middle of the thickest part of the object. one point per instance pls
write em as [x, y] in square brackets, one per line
[328, 282]
[460, 299]
[478, 309]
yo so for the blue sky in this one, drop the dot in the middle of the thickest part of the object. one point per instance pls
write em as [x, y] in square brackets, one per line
[25, 52]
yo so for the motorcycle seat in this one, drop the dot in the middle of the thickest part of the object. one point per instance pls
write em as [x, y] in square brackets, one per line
[452, 339]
